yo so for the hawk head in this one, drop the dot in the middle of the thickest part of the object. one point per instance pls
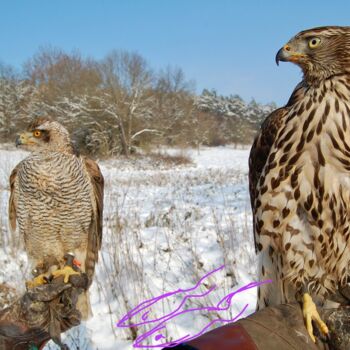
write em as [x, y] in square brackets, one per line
[44, 134]
[320, 52]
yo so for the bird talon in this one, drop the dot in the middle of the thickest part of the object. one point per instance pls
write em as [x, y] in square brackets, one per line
[67, 271]
[37, 281]
[310, 313]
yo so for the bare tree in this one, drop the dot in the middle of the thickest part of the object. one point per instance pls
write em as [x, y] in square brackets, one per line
[174, 105]
[117, 104]
[127, 81]
[57, 74]
[16, 101]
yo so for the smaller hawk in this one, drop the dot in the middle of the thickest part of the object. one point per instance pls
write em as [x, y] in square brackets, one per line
[57, 202]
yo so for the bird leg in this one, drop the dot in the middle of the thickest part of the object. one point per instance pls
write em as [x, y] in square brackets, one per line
[70, 268]
[310, 313]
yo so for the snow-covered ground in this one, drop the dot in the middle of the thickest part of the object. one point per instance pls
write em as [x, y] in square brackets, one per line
[165, 228]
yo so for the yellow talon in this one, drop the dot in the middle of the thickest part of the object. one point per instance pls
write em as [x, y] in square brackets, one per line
[310, 313]
[67, 271]
[37, 281]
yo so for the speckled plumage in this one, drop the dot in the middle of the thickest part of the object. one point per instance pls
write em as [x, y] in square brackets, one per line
[299, 175]
[57, 198]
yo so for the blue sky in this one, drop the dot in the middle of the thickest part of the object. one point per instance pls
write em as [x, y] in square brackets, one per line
[226, 45]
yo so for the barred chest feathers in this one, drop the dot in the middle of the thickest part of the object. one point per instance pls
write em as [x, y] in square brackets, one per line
[53, 199]
[51, 175]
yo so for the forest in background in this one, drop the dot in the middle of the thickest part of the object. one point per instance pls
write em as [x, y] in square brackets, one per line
[119, 104]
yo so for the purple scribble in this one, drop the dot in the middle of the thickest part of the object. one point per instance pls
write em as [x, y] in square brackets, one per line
[143, 310]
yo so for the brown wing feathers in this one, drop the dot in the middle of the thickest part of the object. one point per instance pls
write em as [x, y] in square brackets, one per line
[261, 150]
[12, 204]
[264, 141]
[95, 234]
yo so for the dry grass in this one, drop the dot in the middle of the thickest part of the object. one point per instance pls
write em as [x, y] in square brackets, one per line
[8, 295]
[170, 159]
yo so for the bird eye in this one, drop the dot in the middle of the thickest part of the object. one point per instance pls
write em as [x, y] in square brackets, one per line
[37, 133]
[314, 42]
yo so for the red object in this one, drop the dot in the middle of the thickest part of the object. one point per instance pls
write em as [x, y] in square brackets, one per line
[76, 263]
[229, 337]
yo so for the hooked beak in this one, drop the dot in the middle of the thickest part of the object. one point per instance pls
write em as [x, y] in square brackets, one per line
[24, 139]
[280, 56]
[18, 141]
[285, 54]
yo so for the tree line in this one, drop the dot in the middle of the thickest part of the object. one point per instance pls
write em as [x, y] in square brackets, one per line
[119, 103]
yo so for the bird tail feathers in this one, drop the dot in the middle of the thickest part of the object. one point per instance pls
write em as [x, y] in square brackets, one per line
[84, 306]
[280, 290]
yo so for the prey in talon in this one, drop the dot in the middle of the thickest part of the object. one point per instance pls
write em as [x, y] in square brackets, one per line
[299, 168]
[56, 201]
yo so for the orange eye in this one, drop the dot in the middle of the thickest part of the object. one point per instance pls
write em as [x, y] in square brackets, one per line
[37, 133]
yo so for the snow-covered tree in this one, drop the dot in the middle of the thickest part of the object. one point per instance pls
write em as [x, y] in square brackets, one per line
[17, 98]
[118, 103]
[239, 120]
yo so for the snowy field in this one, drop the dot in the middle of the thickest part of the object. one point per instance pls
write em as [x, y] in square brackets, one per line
[165, 228]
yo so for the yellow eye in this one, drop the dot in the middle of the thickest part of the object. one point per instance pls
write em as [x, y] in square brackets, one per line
[314, 42]
[37, 133]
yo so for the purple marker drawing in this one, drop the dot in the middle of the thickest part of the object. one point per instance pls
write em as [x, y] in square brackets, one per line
[139, 342]
[142, 314]
[144, 309]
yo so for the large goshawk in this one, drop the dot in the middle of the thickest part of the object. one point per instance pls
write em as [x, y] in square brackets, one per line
[300, 177]
[57, 200]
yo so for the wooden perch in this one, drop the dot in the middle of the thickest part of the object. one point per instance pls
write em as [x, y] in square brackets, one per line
[41, 314]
